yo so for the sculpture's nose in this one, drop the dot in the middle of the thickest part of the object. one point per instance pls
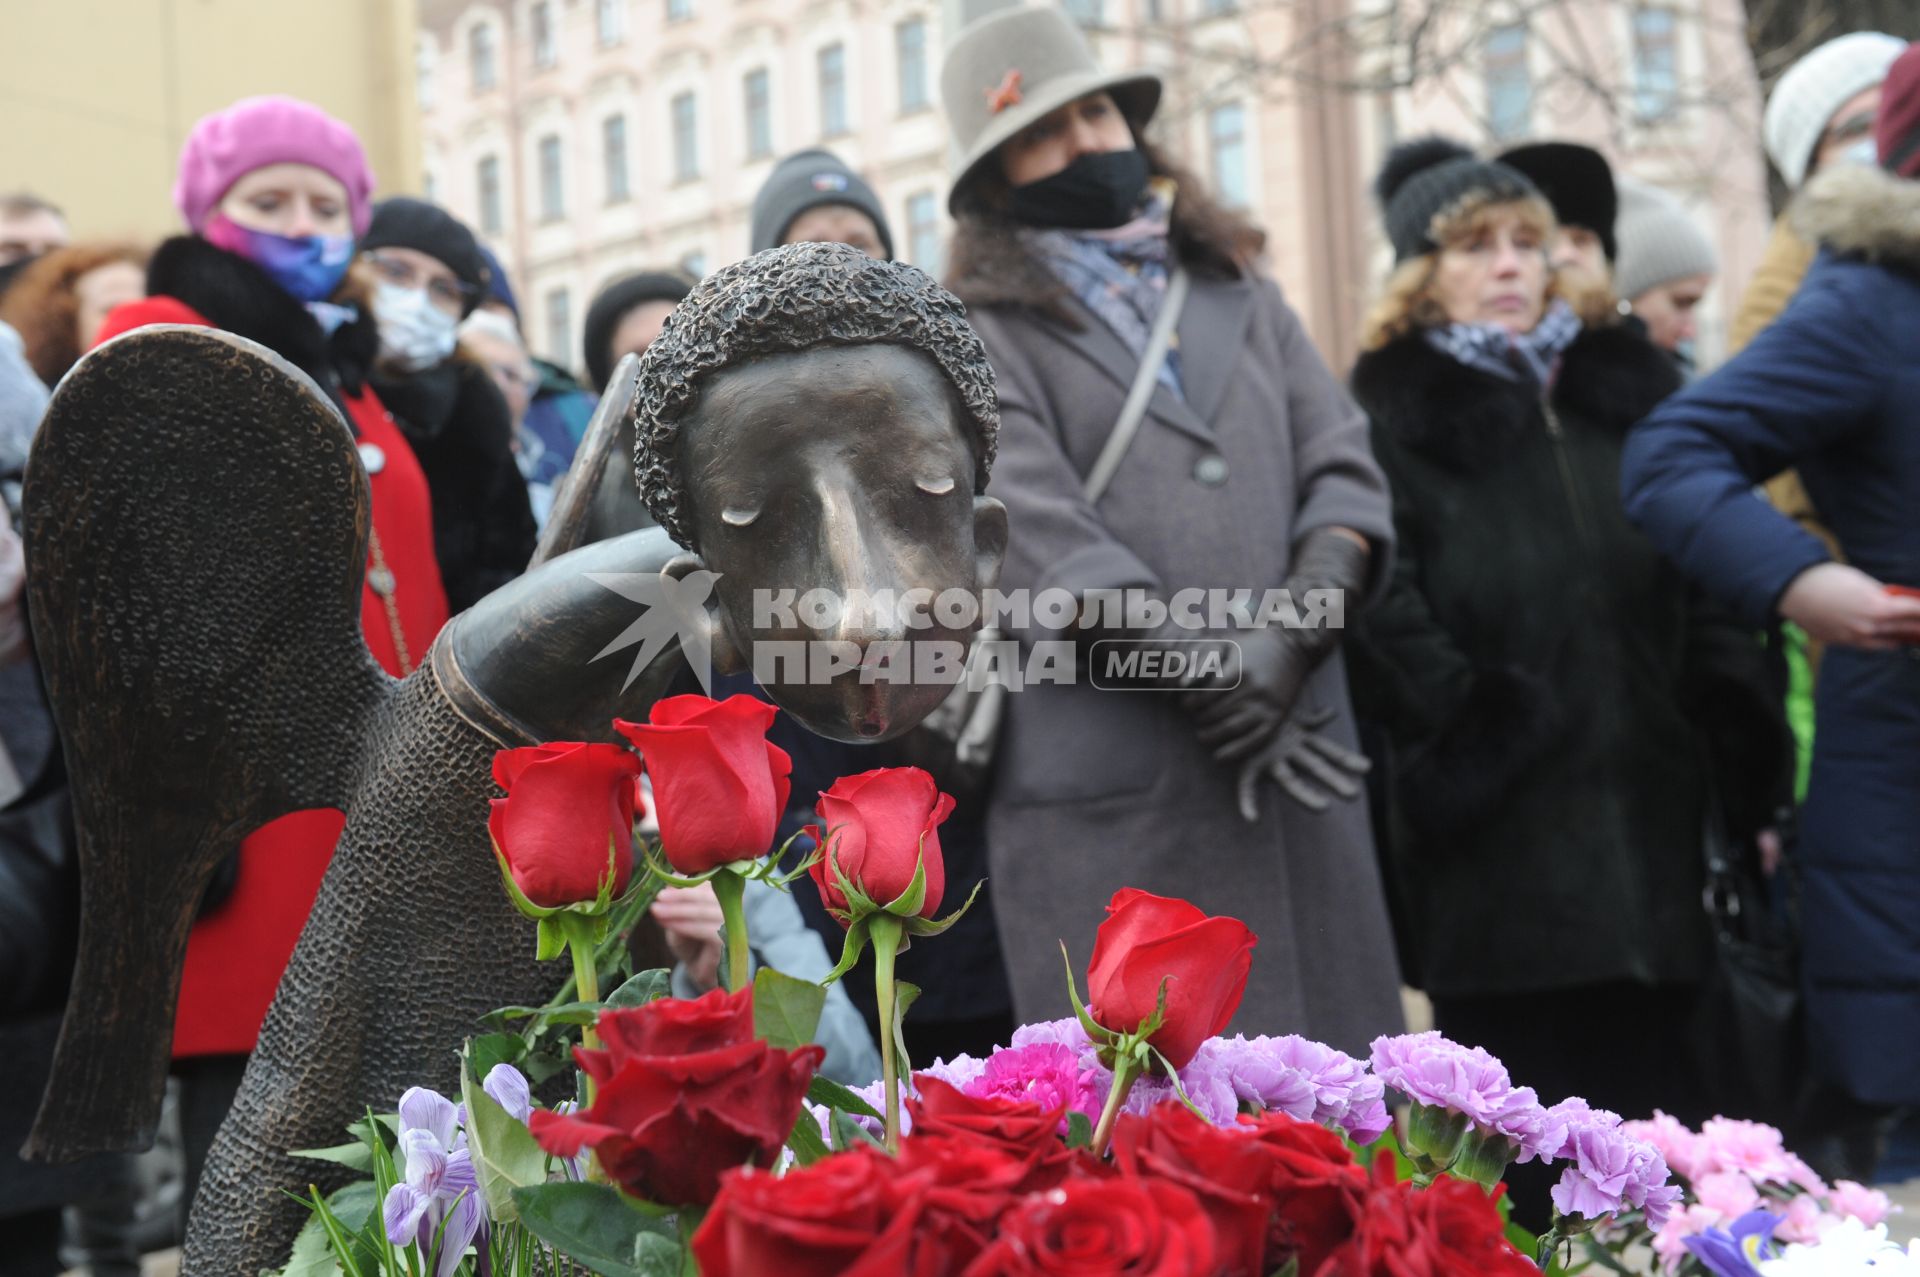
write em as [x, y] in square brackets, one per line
[857, 573]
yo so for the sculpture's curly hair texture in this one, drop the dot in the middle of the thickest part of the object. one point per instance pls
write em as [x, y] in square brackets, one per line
[793, 298]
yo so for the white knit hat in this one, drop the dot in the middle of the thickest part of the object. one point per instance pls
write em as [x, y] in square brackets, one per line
[1659, 242]
[1816, 86]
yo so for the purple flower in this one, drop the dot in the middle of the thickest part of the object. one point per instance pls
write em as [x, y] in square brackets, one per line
[1067, 1032]
[1736, 1251]
[1430, 1069]
[1047, 1073]
[437, 1183]
[1611, 1169]
[1304, 1079]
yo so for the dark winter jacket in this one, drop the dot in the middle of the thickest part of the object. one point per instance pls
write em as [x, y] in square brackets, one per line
[462, 431]
[1549, 692]
[1832, 387]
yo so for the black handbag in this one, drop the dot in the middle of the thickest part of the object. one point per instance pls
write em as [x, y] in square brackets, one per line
[1748, 1035]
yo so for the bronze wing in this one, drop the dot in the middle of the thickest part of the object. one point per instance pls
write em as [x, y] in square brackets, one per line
[195, 518]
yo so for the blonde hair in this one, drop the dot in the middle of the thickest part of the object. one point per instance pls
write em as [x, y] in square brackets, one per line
[1408, 303]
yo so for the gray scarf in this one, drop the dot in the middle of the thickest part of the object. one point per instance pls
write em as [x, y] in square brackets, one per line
[1517, 357]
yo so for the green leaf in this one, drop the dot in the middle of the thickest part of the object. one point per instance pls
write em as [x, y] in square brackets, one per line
[904, 996]
[647, 986]
[490, 1049]
[1101, 1036]
[552, 942]
[824, 1090]
[505, 1156]
[786, 1011]
[909, 902]
[1079, 1130]
[1289, 1269]
[574, 1013]
[312, 1254]
[805, 1140]
[850, 951]
[934, 926]
[592, 1225]
[355, 1156]
[657, 1256]
[848, 1133]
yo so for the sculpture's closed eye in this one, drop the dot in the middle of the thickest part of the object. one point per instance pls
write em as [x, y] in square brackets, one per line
[738, 518]
[936, 487]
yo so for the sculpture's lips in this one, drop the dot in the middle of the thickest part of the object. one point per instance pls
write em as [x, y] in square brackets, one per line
[870, 717]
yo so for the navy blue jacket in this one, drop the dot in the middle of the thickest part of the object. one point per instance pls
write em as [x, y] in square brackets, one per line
[1832, 388]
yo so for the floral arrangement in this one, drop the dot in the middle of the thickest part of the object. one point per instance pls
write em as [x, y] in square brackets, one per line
[695, 1137]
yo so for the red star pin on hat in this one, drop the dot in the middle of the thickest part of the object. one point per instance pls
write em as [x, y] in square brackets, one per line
[1004, 94]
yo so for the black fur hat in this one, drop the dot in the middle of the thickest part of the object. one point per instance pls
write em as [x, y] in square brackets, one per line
[1423, 178]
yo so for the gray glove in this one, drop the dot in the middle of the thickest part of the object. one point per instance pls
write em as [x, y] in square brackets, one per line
[1307, 766]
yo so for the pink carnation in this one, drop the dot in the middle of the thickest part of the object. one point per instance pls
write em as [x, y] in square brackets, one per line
[1047, 1073]
[1728, 1144]
[1670, 1243]
[1804, 1220]
[1728, 1194]
[1856, 1201]
[1675, 1140]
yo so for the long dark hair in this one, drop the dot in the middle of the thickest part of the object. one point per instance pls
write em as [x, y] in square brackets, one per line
[988, 265]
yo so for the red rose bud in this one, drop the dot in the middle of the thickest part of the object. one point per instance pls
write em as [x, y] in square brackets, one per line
[685, 1093]
[1147, 940]
[852, 1215]
[568, 813]
[1224, 1168]
[880, 827]
[718, 785]
[1120, 1227]
[1018, 1129]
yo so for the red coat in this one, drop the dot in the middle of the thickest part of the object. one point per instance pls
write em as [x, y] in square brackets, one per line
[237, 951]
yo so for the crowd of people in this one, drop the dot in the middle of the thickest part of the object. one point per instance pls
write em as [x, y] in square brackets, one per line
[1578, 674]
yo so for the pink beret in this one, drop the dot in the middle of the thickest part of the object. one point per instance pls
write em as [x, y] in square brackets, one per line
[255, 132]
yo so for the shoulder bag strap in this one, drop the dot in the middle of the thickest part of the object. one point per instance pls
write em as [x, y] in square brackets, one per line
[1128, 423]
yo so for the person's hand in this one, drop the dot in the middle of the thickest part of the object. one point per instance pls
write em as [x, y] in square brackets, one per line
[1308, 767]
[1843, 605]
[691, 918]
[1771, 851]
[1234, 722]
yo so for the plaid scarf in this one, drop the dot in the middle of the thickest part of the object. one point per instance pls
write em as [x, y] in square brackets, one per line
[1517, 357]
[1120, 274]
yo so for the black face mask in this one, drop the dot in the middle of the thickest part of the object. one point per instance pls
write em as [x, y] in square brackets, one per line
[1095, 192]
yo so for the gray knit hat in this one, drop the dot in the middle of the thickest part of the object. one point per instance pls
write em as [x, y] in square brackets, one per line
[1012, 67]
[1659, 242]
[805, 180]
[1424, 178]
[1816, 86]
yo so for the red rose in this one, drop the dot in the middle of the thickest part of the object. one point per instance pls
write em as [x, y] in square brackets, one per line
[1145, 940]
[853, 1213]
[1020, 1129]
[718, 786]
[1451, 1229]
[971, 1184]
[1313, 1184]
[1223, 1167]
[686, 1092]
[1120, 1227]
[880, 825]
[569, 807]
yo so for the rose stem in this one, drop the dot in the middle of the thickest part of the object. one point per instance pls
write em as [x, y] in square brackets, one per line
[1123, 1075]
[730, 888]
[884, 931]
[586, 983]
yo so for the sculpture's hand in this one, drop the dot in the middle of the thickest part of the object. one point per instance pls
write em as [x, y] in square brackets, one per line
[1310, 768]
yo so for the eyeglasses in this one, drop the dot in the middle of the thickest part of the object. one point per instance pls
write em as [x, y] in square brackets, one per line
[448, 294]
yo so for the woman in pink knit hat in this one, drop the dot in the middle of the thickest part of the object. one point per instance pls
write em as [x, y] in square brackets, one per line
[274, 192]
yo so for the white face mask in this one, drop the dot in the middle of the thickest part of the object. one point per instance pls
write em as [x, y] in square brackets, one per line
[1865, 151]
[414, 334]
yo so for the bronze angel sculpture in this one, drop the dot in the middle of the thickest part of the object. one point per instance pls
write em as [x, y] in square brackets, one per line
[196, 525]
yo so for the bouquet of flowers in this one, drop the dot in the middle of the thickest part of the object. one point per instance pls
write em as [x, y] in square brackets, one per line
[694, 1136]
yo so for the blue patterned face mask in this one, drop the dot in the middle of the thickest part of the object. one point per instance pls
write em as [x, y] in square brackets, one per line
[309, 267]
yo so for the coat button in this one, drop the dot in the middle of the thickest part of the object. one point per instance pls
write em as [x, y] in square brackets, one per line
[373, 458]
[1211, 469]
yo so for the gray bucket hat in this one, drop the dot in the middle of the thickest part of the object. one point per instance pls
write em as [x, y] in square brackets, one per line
[1012, 67]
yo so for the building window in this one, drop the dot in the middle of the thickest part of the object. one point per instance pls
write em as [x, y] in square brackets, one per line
[553, 203]
[560, 327]
[487, 184]
[1218, 8]
[613, 146]
[1227, 145]
[1509, 85]
[923, 232]
[833, 90]
[759, 103]
[679, 10]
[686, 139]
[695, 264]
[1656, 73]
[540, 18]
[910, 53]
[1088, 13]
[610, 21]
[480, 55]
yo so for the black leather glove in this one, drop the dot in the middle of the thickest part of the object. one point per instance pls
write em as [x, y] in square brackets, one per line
[1309, 768]
[1235, 721]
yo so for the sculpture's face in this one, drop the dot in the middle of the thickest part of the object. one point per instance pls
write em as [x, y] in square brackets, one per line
[849, 471]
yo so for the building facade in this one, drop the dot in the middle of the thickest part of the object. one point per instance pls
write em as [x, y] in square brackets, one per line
[587, 138]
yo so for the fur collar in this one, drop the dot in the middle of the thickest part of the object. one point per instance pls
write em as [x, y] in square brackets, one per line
[458, 394]
[241, 298]
[1861, 211]
[1610, 378]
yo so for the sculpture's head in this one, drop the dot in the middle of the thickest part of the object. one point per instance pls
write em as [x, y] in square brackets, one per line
[813, 419]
